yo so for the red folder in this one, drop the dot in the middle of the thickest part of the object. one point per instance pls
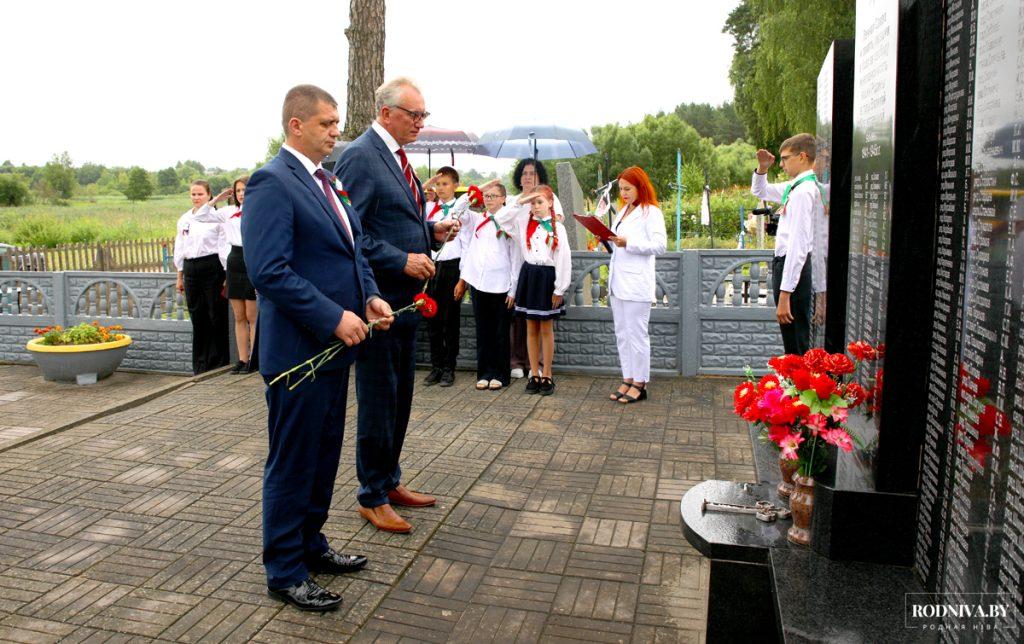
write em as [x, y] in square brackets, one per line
[595, 226]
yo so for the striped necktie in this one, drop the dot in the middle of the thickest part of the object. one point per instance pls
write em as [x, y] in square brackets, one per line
[407, 171]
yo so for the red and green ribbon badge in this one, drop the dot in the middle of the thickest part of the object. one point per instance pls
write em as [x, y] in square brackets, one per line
[343, 195]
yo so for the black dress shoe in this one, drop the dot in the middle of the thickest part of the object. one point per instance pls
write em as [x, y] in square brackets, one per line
[447, 378]
[335, 563]
[533, 385]
[547, 387]
[433, 377]
[238, 368]
[307, 595]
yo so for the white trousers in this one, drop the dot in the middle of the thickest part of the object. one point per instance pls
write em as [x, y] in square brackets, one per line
[634, 343]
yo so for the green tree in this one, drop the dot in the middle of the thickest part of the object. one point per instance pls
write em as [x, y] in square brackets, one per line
[89, 174]
[167, 181]
[13, 190]
[719, 123]
[274, 144]
[190, 170]
[778, 49]
[58, 178]
[139, 186]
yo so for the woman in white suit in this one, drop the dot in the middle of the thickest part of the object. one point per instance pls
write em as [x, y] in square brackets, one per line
[640, 235]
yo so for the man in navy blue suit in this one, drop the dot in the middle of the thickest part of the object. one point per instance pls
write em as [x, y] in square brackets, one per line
[397, 241]
[303, 253]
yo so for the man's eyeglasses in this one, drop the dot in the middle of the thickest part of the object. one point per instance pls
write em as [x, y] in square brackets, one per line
[416, 116]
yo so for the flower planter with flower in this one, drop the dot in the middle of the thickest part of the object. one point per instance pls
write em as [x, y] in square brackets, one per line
[801, 408]
[84, 354]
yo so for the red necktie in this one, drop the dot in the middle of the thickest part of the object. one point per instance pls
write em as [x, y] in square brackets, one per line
[407, 171]
[322, 176]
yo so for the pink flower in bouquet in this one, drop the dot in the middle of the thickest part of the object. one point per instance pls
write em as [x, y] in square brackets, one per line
[839, 438]
[817, 423]
[840, 414]
[789, 446]
[815, 359]
[770, 400]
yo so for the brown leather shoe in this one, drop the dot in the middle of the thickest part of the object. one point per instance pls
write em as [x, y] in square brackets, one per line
[402, 495]
[384, 517]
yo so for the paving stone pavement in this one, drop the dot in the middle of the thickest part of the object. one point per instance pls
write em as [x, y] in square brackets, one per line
[557, 520]
[30, 406]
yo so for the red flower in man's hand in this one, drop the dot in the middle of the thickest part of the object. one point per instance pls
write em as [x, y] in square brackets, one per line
[476, 196]
[425, 304]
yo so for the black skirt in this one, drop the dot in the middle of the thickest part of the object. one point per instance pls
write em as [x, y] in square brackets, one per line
[239, 286]
[534, 290]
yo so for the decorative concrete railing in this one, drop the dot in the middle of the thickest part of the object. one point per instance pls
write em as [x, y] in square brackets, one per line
[714, 314]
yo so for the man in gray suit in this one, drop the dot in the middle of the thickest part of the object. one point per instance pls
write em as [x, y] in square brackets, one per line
[397, 239]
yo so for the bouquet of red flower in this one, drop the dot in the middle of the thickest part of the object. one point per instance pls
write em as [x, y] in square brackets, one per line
[804, 403]
[421, 302]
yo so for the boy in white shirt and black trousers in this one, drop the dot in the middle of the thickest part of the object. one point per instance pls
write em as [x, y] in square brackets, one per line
[443, 328]
[801, 201]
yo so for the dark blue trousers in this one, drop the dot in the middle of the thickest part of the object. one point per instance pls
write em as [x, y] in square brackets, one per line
[306, 429]
[385, 371]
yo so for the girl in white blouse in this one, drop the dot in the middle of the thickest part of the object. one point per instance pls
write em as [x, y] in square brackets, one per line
[240, 292]
[200, 255]
[640, 235]
[541, 272]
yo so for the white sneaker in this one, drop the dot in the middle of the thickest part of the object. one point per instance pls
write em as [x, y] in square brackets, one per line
[517, 373]
[495, 384]
[482, 384]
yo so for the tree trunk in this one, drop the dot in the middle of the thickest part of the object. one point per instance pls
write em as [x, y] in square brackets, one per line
[365, 64]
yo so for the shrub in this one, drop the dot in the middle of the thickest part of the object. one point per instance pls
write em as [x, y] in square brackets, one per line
[41, 230]
[139, 186]
[13, 191]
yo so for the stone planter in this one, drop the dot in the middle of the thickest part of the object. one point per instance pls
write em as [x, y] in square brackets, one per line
[80, 363]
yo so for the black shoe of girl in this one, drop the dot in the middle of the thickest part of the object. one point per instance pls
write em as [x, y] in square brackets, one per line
[533, 385]
[238, 368]
[547, 387]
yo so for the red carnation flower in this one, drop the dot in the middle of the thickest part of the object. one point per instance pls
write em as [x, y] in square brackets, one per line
[426, 305]
[785, 365]
[982, 387]
[801, 379]
[823, 386]
[815, 359]
[839, 364]
[992, 421]
[855, 393]
[861, 350]
[476, 196]
[778, 432]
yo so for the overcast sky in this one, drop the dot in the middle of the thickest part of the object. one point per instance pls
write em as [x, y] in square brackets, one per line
[150, 83]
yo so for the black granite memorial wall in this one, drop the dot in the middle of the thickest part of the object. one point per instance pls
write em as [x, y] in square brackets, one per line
[834, 131]
[971, 515]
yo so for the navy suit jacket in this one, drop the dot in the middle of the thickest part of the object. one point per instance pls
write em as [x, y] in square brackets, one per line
[302, 263]
[392, 225]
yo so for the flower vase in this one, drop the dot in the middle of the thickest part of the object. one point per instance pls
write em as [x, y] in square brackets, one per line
[801, 503]
[788, 468]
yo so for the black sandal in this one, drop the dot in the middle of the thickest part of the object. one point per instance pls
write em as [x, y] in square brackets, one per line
[619, 394]
[627, 399]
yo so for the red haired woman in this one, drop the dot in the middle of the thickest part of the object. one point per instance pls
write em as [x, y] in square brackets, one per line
[639, 235]
[541, 272]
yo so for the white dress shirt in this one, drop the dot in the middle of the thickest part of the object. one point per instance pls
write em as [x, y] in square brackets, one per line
[389, 141]
[486, 258]
[631, 273]
[515, 220]
[195, 239]
[230, 217]
[331, 194]
[795, 236]
[453, 247]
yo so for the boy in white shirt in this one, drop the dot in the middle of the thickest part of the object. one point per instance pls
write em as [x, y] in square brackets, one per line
[801, 201]
[443, 328]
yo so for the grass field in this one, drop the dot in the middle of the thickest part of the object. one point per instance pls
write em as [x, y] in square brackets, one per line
[104, 218]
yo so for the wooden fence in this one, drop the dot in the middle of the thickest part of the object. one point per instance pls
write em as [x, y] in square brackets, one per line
[154, 256]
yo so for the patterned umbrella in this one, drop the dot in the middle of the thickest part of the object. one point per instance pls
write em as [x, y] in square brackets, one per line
[537, 141]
